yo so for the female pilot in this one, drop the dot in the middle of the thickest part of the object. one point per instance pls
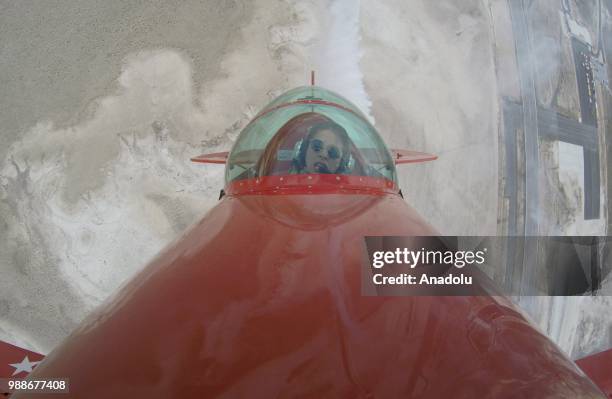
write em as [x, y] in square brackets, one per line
[325, 149]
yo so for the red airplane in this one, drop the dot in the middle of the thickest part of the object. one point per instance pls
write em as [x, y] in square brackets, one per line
[262, 297]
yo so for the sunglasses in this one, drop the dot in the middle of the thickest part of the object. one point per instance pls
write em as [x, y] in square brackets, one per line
[332, 151]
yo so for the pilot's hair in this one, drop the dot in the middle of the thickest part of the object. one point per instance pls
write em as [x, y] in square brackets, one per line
[300, 161]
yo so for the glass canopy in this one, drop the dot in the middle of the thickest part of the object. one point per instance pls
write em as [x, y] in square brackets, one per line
[309, 130]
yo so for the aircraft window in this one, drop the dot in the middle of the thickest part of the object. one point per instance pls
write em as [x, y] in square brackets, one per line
[252, 141]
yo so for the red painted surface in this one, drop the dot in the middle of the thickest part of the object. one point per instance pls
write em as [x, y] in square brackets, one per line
[599, 368]
[409, 156]
[313, 184]
[217, 157]
[261, 299]
[11, 354]
[15, 362]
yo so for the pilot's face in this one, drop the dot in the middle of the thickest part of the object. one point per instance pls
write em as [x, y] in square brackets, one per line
[324, 153]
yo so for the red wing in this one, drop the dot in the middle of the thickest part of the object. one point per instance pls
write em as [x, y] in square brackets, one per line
[217, 157]
[408, 156]
[599, 369]
[399, 156]
[16, 362]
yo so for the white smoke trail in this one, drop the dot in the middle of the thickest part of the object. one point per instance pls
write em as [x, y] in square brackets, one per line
[337, 59]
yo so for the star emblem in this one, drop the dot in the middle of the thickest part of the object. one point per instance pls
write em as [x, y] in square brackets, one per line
[25, 365]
